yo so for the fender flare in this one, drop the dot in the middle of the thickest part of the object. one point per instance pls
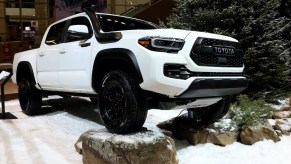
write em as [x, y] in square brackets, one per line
[117, 54]
[25, 67]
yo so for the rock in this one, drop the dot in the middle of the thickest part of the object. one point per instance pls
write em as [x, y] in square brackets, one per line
[285, 108]
[279, 133]
[251, 135]
[147, 147]
[166, 125]
[284, 126]
[78, 144]
[282, 114]
[213, 133]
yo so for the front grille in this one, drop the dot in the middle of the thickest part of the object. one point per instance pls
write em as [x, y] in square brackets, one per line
[211, 42]
[203, 53]
[181, 72]
[211, 60]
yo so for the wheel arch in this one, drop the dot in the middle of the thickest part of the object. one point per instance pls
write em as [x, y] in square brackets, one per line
[112, 59]
[24, 69]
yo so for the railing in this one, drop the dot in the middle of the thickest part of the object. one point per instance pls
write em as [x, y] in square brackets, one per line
[138, 8]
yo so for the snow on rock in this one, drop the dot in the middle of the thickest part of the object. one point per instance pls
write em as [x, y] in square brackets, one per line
[283, 126]
[225, 125]
[272, 122]
[100, 146]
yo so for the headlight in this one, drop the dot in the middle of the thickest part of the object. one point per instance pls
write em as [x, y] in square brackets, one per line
[170, 45]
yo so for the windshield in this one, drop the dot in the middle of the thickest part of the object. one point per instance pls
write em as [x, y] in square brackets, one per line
[116, 23]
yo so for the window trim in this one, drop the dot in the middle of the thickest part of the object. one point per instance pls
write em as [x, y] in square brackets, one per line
[69, 22]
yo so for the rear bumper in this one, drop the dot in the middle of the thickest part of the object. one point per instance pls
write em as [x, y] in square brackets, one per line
[214, 87]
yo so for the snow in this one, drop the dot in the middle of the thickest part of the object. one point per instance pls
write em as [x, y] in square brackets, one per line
[265, 152]
[225, 125]
[50, 138]
[146, 137]
[272, 122]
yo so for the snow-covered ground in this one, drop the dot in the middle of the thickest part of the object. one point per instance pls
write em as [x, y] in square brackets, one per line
[50, 137]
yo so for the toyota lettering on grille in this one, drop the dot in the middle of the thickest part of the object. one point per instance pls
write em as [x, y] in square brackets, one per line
[224, 50]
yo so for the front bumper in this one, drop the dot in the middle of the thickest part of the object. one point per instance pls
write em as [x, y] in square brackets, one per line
[214, 87]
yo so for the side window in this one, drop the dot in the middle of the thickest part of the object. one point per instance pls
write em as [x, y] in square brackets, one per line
[55, 34]
[79, 29]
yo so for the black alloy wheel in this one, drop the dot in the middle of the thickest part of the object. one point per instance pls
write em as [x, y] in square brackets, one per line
[122, 103]
[30, 98]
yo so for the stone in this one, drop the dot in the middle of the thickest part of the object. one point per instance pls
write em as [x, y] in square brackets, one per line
[282, 114]
[283, 125]
[166, 125]
[285, 108]
[252, 134]
[146, 147]
[213, 133]
[78, 144]
[279, 133]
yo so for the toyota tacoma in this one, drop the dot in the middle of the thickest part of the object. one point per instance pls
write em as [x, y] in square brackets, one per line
[129, 66]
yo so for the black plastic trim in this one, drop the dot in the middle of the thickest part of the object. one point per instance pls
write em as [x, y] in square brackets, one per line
[116, 53]
[102, 38]
[214, 87]
[70, 94]
[23, 65]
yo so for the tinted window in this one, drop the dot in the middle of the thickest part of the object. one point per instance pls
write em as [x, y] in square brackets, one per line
[79, 29]
[116, 23]
[55, 34]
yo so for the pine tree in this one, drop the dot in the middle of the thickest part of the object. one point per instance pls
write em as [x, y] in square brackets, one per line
[263, 28]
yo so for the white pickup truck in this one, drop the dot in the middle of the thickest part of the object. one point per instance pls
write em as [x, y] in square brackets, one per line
[131, 65]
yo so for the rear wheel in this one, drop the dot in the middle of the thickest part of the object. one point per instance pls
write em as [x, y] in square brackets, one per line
[122, 103]
[30, 98]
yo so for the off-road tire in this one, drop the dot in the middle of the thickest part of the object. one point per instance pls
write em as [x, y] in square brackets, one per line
[30, 98]
[122, 103]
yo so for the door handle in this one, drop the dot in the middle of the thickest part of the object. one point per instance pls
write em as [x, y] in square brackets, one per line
[62, 51]
[85, 44]
[41, 54]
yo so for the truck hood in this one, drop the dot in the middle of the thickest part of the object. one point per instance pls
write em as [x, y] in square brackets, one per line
[173, 33]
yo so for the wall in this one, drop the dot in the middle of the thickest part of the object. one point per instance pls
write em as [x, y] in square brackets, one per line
[3, 28]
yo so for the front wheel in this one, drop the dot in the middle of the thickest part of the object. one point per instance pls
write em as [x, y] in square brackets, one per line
[122, 103]
[30, 98]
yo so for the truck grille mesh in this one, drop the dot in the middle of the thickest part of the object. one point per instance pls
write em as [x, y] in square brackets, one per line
[205, 58]
[211, 42]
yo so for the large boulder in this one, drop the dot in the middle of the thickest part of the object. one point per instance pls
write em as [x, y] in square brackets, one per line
[220, 133]
[252, 134]
[147, 147]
